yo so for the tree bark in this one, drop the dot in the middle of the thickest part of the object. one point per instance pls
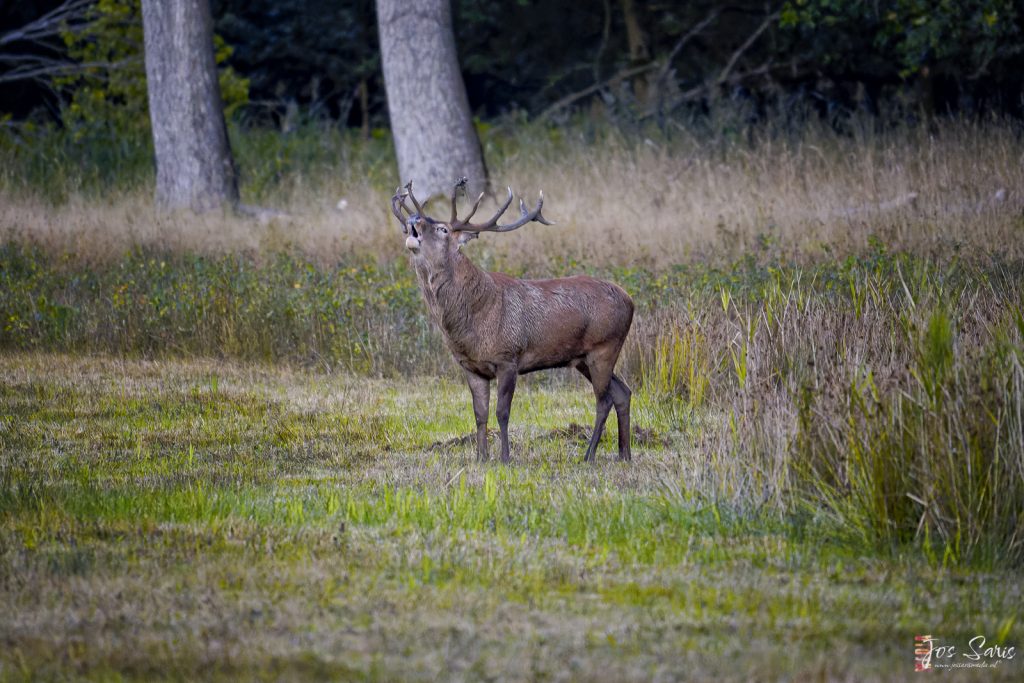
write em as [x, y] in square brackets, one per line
[435, 140]
[639, 53]
[635, 37]
[194, 168]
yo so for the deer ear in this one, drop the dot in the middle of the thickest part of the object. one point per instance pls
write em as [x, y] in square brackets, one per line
[466, 236]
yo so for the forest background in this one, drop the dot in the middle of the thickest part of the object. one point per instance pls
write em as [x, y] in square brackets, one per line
[233, 444]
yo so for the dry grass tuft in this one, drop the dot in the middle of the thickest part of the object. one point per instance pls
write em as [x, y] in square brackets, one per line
[828, 365]
[618, 201]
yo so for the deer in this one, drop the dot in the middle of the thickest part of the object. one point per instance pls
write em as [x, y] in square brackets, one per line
[498, 327]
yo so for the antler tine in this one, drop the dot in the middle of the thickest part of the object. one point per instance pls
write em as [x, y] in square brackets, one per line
[397, 204]
[459, 183]
[408, 189]
[406, 206]
[455, 220]
[464, 225]
[525, 217]
[476, 205]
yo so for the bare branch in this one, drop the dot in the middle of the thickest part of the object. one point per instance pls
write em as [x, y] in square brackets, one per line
[746, 46]
[580, 94]
[50, 24]
[44, 34]
[681, 43]
[662, 65]
[700, 90]
[27, 59]
[605, 35]
[44, 69]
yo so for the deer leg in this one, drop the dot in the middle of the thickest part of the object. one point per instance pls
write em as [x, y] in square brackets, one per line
[620, 395]
[480, 387]
[506, 388]
[600, 377]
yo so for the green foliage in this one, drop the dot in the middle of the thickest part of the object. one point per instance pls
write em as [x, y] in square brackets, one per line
[313, 154]
[936, 356]
[678, 367]
[315, 58]
[931, 464]
[58, 162]
[302, 51]
[234, 88]
[924, 456]
[285, 309]
[110, 96]
[112, 93]
[261, 502]
[948, 37]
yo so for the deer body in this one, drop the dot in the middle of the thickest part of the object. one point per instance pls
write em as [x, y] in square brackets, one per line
[491, 319]
[498, 327]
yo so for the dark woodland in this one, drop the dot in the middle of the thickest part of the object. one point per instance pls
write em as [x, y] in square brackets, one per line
[511, 340]
[641, 59]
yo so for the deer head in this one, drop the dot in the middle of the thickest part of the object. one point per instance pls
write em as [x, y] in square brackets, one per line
[436, 240]
[498, 327]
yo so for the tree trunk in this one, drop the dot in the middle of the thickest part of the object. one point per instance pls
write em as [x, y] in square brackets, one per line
[194, 168]
[364, 109]
[434, 136]
[639, 53]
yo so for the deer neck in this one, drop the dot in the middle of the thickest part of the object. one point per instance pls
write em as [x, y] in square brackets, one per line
[456, 295]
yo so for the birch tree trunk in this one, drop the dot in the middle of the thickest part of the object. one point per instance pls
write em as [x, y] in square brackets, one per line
[430, 121]
[194, 168]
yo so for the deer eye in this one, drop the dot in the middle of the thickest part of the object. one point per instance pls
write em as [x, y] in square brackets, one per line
[441, 229]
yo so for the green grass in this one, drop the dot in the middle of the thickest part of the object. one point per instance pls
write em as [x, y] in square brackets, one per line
[880, 391]
[60, 162]
[238, 449]
[173, 519]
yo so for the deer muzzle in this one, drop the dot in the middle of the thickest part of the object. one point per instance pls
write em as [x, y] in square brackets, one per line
[412, 242]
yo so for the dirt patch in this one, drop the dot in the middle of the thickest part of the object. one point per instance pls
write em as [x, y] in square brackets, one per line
[574, 431]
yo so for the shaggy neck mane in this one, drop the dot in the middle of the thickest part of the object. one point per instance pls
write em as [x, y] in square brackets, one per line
[454, 294]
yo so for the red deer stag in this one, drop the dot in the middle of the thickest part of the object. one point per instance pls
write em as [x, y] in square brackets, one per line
[498, 327]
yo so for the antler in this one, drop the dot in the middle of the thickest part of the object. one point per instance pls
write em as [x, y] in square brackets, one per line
[408, 192]
[491, 225]
[463, 225]
[398, 204]
[460, 184]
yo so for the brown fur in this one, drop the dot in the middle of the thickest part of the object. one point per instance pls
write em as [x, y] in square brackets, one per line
[499, 327]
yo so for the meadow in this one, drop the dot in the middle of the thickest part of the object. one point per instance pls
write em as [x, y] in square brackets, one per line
[236, 447]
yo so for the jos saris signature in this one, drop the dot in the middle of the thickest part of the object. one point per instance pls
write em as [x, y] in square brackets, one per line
[931, 652]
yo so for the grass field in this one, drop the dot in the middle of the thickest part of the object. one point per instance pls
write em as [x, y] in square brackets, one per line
[173, 519]
[238, 450]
